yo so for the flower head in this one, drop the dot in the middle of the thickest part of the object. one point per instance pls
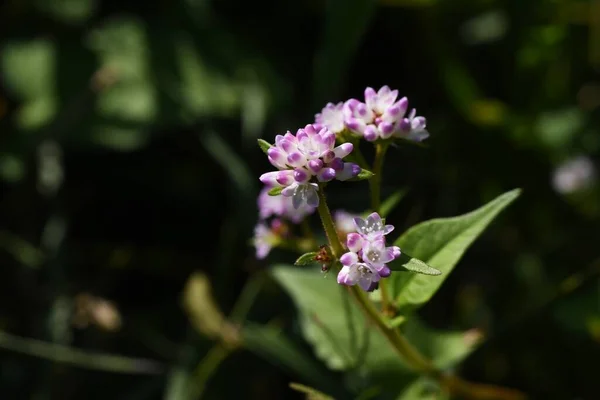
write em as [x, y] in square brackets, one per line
[332, 117]
[263, 240]
[281, 206]
[382, 116]
[344, 222]
[268, 236]
[372, 228]
[365, 263]
[355, 272]
[305, 158]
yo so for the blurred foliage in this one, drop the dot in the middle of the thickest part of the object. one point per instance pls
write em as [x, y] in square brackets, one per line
[149, 112]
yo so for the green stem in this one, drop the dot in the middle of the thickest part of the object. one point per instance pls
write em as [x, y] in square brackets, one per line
[206, 369]
[356, 155]
[350, 324]
[401, 345]
[334, 241]
[375, 181]
[78, 357]
[375, 186]
[385, 299]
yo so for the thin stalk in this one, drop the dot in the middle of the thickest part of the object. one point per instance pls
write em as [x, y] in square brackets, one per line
[206, 369]
[386, 306]
[334, 241]
[411, 355]
[350, 324]
[375, 181]
[375, 186]
[356, 155]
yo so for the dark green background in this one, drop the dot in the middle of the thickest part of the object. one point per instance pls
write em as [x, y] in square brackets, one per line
[161, 173]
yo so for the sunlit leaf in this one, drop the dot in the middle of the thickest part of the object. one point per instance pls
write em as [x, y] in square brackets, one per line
[333, 332]
[441, 243]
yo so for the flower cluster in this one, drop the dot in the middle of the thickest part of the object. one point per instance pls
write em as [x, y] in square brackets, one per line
[303, 159]
[266, 235]
[380, 116]
[365, 262]
[281, 206]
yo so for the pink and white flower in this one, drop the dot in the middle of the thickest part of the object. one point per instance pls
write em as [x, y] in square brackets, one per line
[382, 116]
[366, 261]
[281, 206]
[303, 159]
[332, 117]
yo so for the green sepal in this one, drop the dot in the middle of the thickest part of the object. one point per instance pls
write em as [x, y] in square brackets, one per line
[264, 145]
[276, 191]
[363, 174]
[408, 263]
[306, 258]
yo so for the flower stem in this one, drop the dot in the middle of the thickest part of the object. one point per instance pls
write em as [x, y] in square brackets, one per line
[356, 155]
[334, 241]
[386, 307]
[375, 181]
[401, 345]
[375, 186]
[410, 354]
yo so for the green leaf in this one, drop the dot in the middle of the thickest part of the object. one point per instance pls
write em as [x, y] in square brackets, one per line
[441, 243]
[336, 328]
[276, 191]
[264, 145]
[409, 263]
[306, 258]
[270, 344]
[391, 202]
[329, 319]
[364, 174]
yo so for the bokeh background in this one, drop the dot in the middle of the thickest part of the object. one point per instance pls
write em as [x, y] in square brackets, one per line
[129, 169]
